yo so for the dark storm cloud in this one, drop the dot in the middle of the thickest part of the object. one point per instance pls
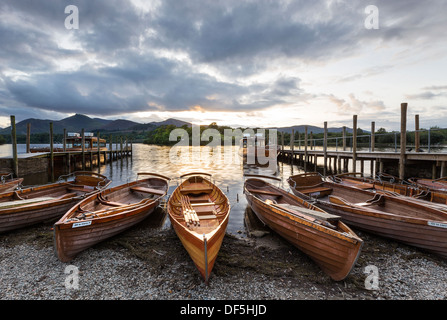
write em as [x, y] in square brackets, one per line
[122, 61]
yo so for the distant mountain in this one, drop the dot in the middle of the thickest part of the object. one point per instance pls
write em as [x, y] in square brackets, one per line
[79, 121]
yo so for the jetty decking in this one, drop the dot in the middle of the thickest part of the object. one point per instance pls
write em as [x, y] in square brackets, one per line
[34, 162]
[402, 162]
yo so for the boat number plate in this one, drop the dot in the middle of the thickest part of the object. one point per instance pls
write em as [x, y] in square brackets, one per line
[82, 224]
[437, 224]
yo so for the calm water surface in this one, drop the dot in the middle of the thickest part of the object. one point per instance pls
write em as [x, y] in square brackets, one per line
[226, 168]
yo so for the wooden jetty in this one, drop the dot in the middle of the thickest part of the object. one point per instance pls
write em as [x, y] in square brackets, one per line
[402, 162]
[22, 164]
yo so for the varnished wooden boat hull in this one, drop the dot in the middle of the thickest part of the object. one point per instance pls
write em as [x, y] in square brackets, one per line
[412, 192]
[69, 241]
[15, 213]
[425, 228]
[334, 251]
[10, 185]
[201, 242]
[203, 258]
[74, 236]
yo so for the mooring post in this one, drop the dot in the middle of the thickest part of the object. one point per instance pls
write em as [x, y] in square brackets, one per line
[28, 137]
[403, 139]
[83, 148]
[373, 145]
[416, 133]
[65, 140]
[305, 148]
[345, 165]
[51, 152]
[354, 143]
[325, 149]
[99, 149]
[292, 143]
[121, 147]
[110, 149]
[15, 160]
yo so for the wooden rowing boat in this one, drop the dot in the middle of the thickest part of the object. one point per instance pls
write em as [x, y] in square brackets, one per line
[199, 212]
[8, 182]
[106, 214]
[393, 217]
[439, 184]
[410, 192]
[25, 207]
[320, 235]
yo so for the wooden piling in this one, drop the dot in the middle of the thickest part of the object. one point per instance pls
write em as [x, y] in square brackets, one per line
[416, 133]
[15, 160]
[28, 137]
[292, 143]
[83, 148]
[325, 149]
[51, 152]
[99, 149]
[305, 149]
[354, 143]
[65, 140]
[373, 145]
[403, 139]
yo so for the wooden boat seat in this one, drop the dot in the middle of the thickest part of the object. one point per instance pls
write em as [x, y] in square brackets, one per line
[110, 203]
[266, 192]
[317, 191]
[196, 189]
[148, 190]
[313, 213]
[207, 217]
[18, 203]
[84, 189]
[200, 204]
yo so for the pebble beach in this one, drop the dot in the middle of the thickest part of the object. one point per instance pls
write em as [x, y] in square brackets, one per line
[146, 263]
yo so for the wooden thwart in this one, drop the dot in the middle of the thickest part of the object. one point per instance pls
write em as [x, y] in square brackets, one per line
[148, 190]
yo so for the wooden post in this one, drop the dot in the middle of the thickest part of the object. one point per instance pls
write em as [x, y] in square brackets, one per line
[344, 138]
[325, 149]
[121, 147]
[311, 141]
[65, 140]
[442, 169]
[28, 137]
[345, 165]
[51, 152]
[15, 160]
[110, 149]
[403, 139]
[373, 145]
[305, 148]
[282, 141]
[99, 149]
[416, 133]
[83, 148]
[354, 143]
[292, 142]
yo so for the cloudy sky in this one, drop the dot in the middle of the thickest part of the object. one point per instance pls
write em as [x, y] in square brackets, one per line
[265, 63]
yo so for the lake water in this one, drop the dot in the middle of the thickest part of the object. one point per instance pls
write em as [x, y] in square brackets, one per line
[225, 166]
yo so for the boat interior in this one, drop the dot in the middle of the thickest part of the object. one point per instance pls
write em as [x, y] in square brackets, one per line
[199, 205]
[315, 188]
[283, 200]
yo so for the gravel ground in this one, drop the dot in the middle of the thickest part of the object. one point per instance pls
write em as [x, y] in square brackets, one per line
[146, 263]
